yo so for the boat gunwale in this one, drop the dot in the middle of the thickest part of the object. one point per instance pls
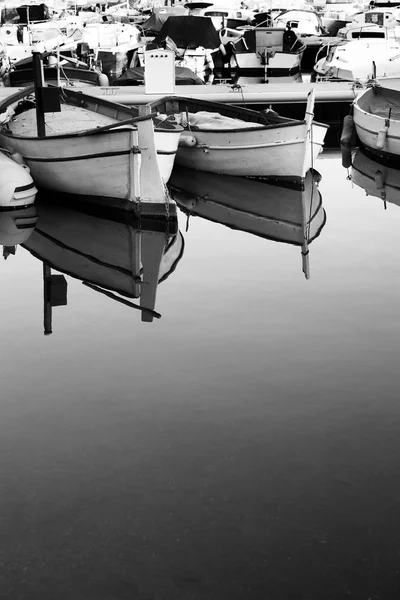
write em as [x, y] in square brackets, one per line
[253, 116]
[83, 98]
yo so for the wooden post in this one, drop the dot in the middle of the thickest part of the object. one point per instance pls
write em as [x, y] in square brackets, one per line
[38, 80]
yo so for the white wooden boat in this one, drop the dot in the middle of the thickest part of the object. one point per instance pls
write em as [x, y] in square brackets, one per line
[110, 256]
[231, 140]
[94, 148]
[288, 214]
[17, 188]
[376, 176]
[376, 113]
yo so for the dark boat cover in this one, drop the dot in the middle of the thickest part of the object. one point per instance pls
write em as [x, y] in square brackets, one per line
[189, 32]
[19, 14]
[159, 16]
[35, 12]
[135, 76]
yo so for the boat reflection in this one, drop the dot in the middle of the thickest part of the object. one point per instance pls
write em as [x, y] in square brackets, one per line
[281, 212]
[376, 176]
[15, 228]
[119, 258]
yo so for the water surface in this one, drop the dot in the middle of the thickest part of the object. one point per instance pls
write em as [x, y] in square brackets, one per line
[245, 445]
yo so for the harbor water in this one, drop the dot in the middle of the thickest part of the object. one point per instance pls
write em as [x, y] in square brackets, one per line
[242, 446]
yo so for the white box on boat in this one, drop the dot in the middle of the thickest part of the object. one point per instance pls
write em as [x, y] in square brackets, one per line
[159, 72]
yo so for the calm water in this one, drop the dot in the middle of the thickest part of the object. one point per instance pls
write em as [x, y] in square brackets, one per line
[243, 446]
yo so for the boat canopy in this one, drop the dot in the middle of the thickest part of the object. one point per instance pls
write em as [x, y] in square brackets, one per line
[159, 16]
[25, 13]
[189, 32]
[135, 76]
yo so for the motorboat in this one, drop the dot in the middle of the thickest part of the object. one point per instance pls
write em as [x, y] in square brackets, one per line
[268, 51]
[362, 58]
[307, 24]
[112, 45]
[376, 114]
[231, 140]
[336, 14]
[26, 27]
[123, 260]
[193, 39]
[290, 214]
[226, 17]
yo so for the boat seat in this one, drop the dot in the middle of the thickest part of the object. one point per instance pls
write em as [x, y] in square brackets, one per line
[382, 109]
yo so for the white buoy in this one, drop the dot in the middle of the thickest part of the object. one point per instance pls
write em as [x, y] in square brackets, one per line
[187, 141]
[17, 188]
[382, 133]
[102, 80]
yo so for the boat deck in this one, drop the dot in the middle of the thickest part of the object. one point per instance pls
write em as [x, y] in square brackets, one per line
[71, 119]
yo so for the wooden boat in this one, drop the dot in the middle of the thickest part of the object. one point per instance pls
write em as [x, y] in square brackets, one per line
[283, 213]
[377, 118]
[17, 188]
[109, 255]
[230, 140]
[61, 71]
[376, 176]
[94, 148]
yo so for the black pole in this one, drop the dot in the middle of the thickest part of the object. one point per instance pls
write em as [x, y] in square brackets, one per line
[38, 80]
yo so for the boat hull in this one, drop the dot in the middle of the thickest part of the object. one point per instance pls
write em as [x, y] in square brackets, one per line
[101, 165]
[280, 63]
[272, 152]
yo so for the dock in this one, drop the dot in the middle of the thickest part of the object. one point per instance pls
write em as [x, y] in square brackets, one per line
[251, 94]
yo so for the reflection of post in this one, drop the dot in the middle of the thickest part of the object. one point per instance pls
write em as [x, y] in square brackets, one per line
[135, 236]
[54, 294]
[305, 253]
[47, 311]
[153, 244]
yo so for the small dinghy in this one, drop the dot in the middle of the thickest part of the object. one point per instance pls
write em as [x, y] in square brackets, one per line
[17, 188]
[377, 119]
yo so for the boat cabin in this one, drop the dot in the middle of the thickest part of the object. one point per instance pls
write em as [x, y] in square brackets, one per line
[366, 32]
